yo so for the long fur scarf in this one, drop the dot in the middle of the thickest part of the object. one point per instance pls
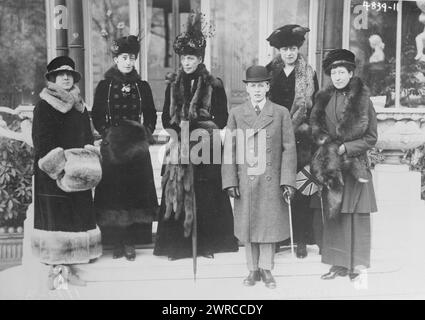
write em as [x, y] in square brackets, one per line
[184, 106]
[304, 88]
[189, 107]
[355, 118]
[114, 74]
[63, 100]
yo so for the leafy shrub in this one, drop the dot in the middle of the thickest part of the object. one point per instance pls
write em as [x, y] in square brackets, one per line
[16, 170]
[416, 159]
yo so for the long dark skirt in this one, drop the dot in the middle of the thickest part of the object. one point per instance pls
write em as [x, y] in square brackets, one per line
[215, 225]
[346, 239]
[126, 202]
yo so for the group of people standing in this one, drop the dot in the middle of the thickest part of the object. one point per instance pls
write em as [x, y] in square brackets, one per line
[70, 225]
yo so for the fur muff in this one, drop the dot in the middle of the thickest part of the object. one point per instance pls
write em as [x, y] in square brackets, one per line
[326, 166]
[82, 170]
[58, 247]
[74, 169]
[125, 143]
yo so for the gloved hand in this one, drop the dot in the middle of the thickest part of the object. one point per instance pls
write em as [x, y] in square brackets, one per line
[342, 149]
[288, 192]
[233, 192]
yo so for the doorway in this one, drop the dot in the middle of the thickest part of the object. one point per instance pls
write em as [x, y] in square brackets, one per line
[165, 20]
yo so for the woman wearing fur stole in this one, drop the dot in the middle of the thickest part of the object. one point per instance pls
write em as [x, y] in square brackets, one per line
[65, 231]
[293, 85]
[125, 199]
[197, 99]
[344, 127]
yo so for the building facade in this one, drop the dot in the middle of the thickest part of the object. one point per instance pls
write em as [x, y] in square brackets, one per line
[387, 37]
[384, 35]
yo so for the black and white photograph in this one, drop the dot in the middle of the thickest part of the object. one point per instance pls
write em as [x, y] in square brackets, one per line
[222, 152]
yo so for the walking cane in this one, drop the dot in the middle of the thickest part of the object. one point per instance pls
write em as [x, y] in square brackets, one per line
[195, 241]
[288, 201]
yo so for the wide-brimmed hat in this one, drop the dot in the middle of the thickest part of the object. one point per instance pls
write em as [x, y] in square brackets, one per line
[60, 64]
[338, 57]
[288, 36]
[257, 74]
[130, 44]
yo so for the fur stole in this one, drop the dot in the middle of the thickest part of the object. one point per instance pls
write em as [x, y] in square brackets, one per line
[178, 185]
[355, 118]
[63, 100]
[184, 105]
[192, 106]
[304, 87]
[114, 74]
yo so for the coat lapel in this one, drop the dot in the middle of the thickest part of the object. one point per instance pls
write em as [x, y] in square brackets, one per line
[330, 110]
[250, 117]
[265, 117]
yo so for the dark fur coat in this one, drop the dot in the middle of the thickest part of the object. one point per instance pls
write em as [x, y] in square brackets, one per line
[327, 165]
[182, 183]
[126, 194]
[296, 93]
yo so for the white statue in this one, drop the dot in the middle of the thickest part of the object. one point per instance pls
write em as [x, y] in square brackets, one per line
[24, 113]
[378, 46]
[420, 38]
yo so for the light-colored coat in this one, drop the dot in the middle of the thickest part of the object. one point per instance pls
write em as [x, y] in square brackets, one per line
[261, 214]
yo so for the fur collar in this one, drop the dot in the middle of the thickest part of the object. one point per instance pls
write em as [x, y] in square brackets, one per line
[62, 100]
[114, 74]
[191, 103]
[304, 87]
[355, 119]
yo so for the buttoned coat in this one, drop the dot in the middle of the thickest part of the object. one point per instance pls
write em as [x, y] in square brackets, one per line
[261, 214]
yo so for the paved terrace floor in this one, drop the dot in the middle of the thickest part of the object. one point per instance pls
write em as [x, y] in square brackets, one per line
[398, 259]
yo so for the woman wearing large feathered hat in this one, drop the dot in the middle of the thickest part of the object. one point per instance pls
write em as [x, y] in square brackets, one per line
[197, 99]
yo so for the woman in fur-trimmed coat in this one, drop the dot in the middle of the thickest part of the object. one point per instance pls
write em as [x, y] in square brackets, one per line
[196, 98]
[344, 114]
[125, 200]
[214, 211]
[293, 85]
[65, 231]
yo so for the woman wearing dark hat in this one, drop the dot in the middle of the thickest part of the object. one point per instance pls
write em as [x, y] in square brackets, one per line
[125, 200]
[198, 99]
[293, 85]
[65, 231]
[344, 115]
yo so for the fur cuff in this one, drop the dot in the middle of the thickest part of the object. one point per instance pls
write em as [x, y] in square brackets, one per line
[57, 247]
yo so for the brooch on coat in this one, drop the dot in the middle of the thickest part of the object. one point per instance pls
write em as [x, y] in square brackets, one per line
[126, 88]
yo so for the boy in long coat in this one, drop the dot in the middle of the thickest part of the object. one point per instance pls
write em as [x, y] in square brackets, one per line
[259, 185]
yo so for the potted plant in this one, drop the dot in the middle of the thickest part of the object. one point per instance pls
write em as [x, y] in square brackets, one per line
[16, 171]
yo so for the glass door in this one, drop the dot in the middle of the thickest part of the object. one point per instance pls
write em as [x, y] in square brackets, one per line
[165, 20]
